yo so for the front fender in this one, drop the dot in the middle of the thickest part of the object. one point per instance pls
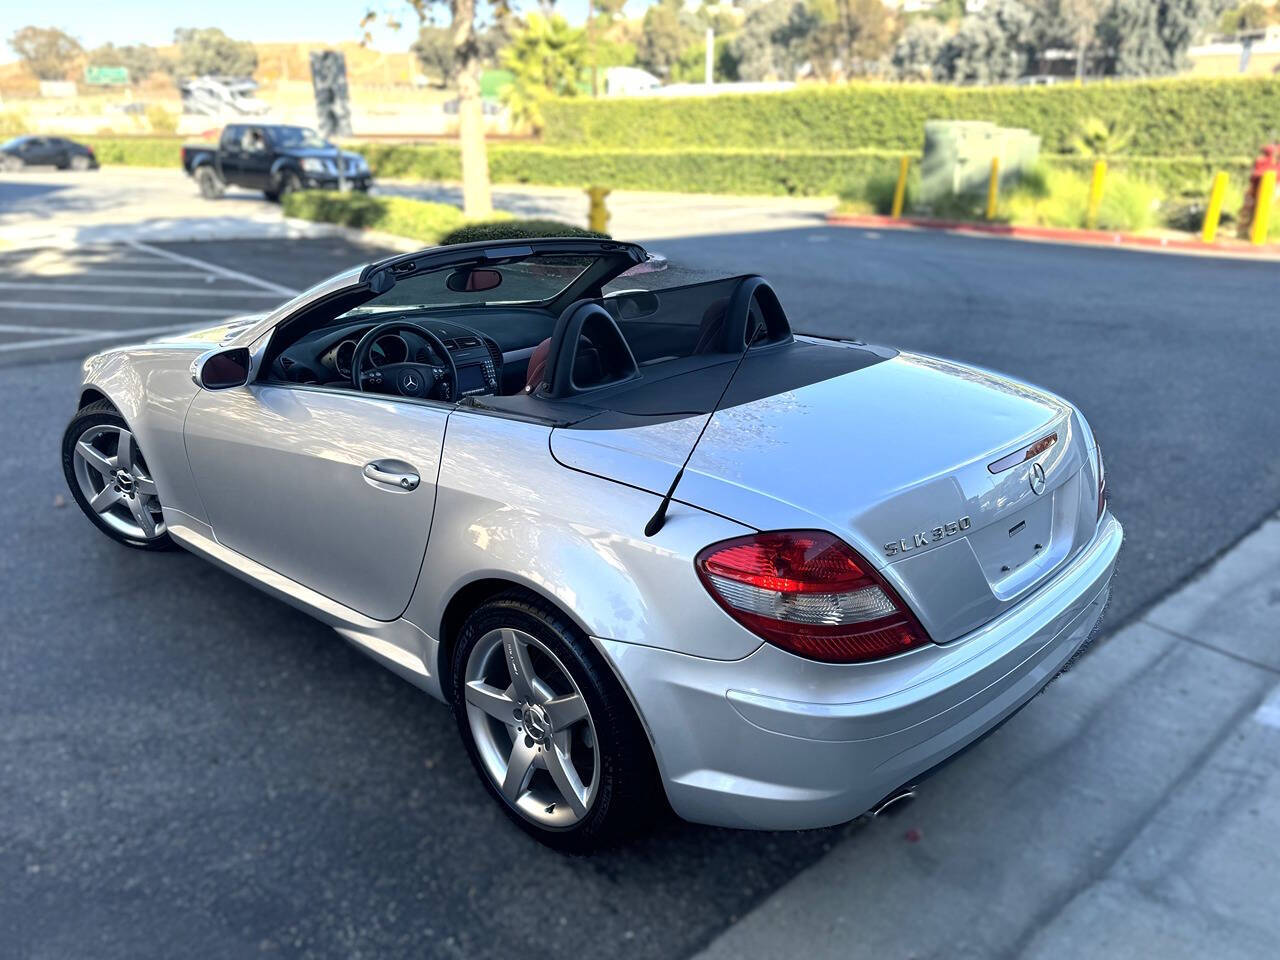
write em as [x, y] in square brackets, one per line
[151, 387]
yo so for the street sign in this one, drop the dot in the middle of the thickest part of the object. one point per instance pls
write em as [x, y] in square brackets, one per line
[102, 76]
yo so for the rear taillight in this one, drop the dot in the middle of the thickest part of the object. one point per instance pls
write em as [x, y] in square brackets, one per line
[1102, 484]
[808, 592]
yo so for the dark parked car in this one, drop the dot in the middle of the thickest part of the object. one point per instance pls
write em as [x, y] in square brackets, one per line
[275, 159]
[46, 152]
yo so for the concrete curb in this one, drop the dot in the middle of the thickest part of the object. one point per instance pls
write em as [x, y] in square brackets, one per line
[1092, 238]
[1133, 810]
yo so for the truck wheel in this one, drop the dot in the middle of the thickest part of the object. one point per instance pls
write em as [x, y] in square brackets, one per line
[211, 187]
[289, 183]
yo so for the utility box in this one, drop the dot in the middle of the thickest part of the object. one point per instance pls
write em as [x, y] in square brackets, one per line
[958, 153]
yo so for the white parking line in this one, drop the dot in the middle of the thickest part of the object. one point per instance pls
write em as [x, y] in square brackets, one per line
[148, 291]
[99, 308]
[23, 328]
[212, 268]
[129, 335]
[157, 274]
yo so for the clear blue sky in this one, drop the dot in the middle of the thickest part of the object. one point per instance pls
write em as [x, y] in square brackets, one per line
[94, 22]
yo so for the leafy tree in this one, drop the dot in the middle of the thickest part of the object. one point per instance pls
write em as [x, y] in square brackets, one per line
[466, 20]
[1247, 16]
[46, 51]
[434, 50]
[1151, 37]
[772, 41]
[918, 49]
[848, 33]
[207, 51]
[691, 67]
[140, 59]
[546, 57]
[1080, 18]
[992, 46]
[666, 32]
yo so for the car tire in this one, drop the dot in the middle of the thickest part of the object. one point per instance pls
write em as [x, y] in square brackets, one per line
[117, 519]
[271, 196]
[607, 746]
[211, 186]
[289, 183]
[79, 162]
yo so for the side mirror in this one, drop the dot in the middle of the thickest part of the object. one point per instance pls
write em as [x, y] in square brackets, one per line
[467, 280]
[221, 369]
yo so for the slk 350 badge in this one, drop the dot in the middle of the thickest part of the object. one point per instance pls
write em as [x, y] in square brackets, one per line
[927, 537]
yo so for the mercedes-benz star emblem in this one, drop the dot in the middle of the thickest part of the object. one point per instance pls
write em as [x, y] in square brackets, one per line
[1037, 479]
[410, 382]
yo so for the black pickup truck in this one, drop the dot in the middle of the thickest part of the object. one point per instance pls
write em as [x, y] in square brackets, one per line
[275, 159]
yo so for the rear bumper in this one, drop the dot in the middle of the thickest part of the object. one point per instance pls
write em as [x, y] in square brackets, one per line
[774, 741]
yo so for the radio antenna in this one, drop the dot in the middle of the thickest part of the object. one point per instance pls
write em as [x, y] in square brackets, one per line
[660, 515]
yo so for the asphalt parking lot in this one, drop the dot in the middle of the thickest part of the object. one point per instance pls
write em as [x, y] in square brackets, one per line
[188, 768]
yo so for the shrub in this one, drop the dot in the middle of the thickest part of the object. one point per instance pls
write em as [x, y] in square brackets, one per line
[516, 230]
[1127, 203]
[416, 219]
[874, 193]
[12, 124]
[431, 223]
[1179, 116]
[162, 121]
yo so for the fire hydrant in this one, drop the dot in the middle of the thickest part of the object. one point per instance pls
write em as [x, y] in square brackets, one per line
[1268, 160]
[597, 213]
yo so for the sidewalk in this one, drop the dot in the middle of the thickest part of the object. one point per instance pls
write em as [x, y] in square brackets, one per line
[1133, 810]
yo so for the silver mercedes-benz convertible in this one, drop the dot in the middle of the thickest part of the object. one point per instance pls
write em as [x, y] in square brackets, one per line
[650, 544]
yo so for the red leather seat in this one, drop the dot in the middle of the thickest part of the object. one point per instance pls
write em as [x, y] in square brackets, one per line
[537, 365]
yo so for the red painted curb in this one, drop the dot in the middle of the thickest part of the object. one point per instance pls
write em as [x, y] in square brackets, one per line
[1055, 234]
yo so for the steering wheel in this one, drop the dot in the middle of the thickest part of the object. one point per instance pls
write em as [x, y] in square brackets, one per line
[440, 382]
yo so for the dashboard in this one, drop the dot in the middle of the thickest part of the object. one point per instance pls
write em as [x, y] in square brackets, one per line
[324, 356]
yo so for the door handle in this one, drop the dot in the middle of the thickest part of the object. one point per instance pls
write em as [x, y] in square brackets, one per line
[393, 473]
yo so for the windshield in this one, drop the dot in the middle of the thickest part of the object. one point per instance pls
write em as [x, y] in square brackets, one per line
[532, 280]
[8, 144]
[299, 137]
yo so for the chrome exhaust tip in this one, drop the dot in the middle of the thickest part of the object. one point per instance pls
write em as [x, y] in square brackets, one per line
[895, 802]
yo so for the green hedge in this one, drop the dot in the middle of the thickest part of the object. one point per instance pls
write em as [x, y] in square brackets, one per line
[1229, 117]
[810, 172]
[417, 219]
[697, 170]
[489, 230]
[137, 151]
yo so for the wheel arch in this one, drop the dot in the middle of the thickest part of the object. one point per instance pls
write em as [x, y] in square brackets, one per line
[90, 395]
[469, 597]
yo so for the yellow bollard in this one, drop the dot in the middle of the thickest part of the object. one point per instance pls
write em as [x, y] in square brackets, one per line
[1095, 193]
[993, 188]
[597, 213]
[1262, 209]
[1212, 215]
[900, 191]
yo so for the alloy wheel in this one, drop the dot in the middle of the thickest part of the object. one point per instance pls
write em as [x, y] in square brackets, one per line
[532, 728]
[115, 482]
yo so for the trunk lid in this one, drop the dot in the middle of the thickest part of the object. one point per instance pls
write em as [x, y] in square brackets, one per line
[895, 459]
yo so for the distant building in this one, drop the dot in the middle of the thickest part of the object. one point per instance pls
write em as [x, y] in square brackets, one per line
[1252, 53]
[628, 81]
